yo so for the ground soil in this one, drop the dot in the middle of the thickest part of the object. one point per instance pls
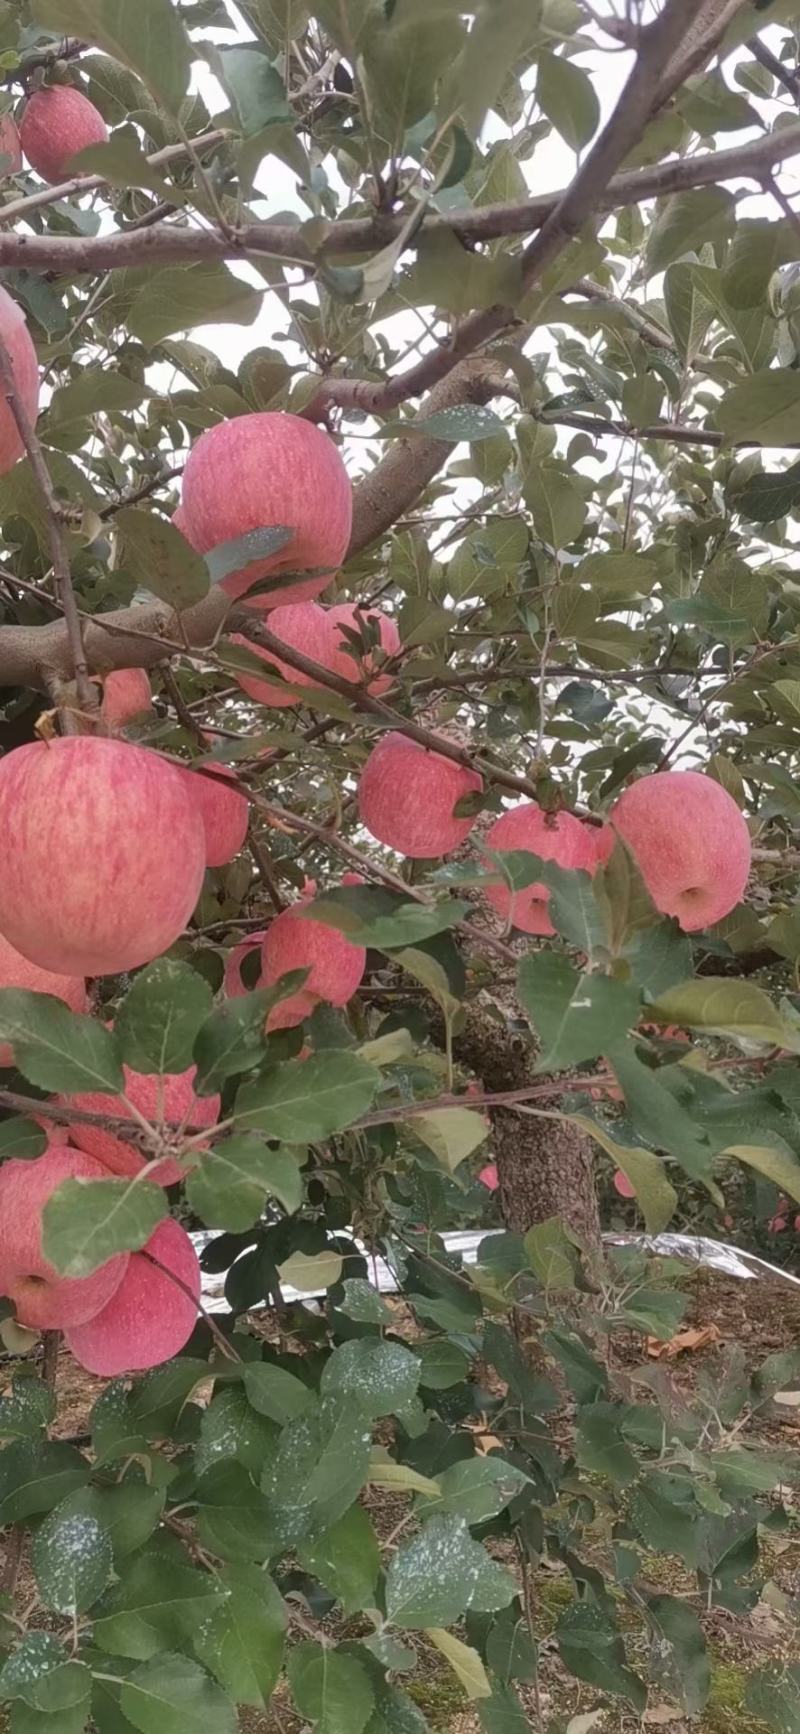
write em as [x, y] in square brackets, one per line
[762, 1316]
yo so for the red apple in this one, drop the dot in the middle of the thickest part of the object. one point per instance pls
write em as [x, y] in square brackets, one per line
[45, 1301]
[232, 984]
[17, 340]
[58, 122]
[406, 796]
[126, 694]
[163, 1100]
[265, 470]
[691, 843]
[556, 837]
[18, 971]
[103, 854]
[296, 941]
[150, 1318]
[225, 812]
[304, 626]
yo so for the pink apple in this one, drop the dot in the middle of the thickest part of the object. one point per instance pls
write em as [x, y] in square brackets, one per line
[691, 843]
[556, 837]
[18, 342]
[17, 971]
[264, 470]
[623, 1186]
[45, 1301]
[126, 694]
[406, 797]
[103, 854]
[150, 1318]
[296, 941]
[303, 626]
[58, 122]
[225, 812]
[489, 1177]
[168, 1100]
[233, 986]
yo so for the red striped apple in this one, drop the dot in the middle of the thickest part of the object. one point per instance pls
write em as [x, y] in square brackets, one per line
[556, 837]
[103, 854]
[260, 471]
[58, 122]
[18, 342]
[45, 1301]
[406, 796]
[691, 843]
[150, 1317]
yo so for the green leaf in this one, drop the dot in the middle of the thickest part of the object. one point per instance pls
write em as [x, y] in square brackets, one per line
[72, 1560]
[462, 421]
[658, 1116]
[724, 1007]
[371, 916]
[775, 1160]
[24, 1139]
[276, 1393]
[306, 1100]
[55, 1048]
[229, 1186]
[688, 312]
[330, 1690]
[577, 1016]
[244, 551]
[346, 1559]
[39, 1674]
[318, 1470]
[241, 1642]
[464, 1661]
[452, 1134]
[232, 1039]
[181, 296]
[255, 87]
[85, 1222]
[434, 1578]
[568, 97]
[156, 552]
[158, 1020]
[655, 1194]
[150, 40]
[128, 1511]
[35, 1476]
[122, 163]
[476, 1489]
[551, 1254]
[678, 1656]
[234, 1515]
[379, 1377]
[28, 1408]
[591, 1648]
[363, 1303]
[503, 1712]
[443, 1364]
[767, 496]
[158, 1601]
[763, 408]
[775, 1698]
[98, 389]
[171, 1695]
[687, 221]
[557, 504]
[311, 1273]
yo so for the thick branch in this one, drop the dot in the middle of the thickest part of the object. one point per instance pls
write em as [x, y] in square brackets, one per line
[171, 244]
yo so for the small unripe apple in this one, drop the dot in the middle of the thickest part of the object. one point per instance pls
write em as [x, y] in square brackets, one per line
[346, 662]
[556, 837]
[296, 941]
[260, 471]
[10, 147]
[126, 694]
[303, 626]
[168, 1100]
[149, 1318]
[103, 854]
[58, 122]
[406, 796]
[691, 843]
[43, 1299]
[18, 971]
[17, 340]
[225, 812]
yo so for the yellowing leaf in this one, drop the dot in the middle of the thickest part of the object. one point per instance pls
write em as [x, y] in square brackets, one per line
[464, 1661]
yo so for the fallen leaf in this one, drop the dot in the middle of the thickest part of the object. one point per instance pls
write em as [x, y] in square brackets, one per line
[686, 1342]
[582, 1724]
[663, 1716]
[787, 1399]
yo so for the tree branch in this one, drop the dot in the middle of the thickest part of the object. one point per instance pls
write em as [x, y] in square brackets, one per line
[18, 209]
[87, 696]
[171, 243]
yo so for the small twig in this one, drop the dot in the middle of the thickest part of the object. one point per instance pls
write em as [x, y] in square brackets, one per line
[265, 872]
[87, 692]
[225, 1348]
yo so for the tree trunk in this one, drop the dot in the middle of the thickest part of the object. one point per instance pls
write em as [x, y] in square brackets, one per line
[545, 1167]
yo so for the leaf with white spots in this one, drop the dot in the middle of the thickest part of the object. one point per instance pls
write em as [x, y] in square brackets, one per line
[39, 1673]
[72, 1558]
[435, 1578]
[380, 1377]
